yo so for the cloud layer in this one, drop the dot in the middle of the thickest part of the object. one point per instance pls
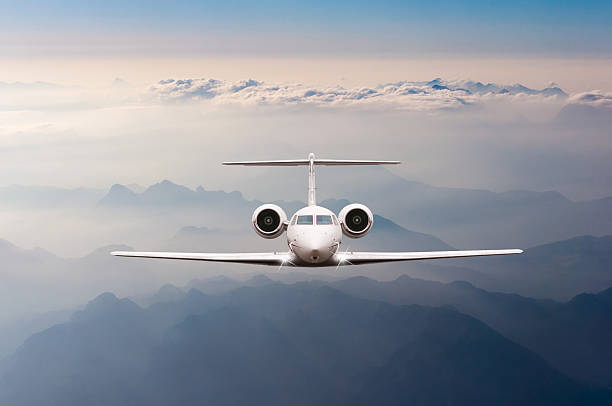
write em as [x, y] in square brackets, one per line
[417, 96]
[594, 98]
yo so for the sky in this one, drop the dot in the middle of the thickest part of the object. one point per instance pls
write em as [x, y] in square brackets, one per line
[87, 87]
[356, 42]
[238, 27]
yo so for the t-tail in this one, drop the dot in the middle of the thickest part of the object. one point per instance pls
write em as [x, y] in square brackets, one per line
[311, 162]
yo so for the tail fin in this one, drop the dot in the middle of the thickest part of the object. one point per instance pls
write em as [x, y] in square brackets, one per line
[311, 162]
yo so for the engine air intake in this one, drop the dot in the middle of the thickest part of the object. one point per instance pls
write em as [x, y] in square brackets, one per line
[356, 219]
[269, 221]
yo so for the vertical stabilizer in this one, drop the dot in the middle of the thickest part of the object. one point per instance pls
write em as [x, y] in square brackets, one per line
[312, 195]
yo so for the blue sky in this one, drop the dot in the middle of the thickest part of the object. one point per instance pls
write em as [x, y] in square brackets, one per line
[403, 28]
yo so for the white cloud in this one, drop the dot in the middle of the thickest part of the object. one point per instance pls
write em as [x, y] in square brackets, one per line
[430, 96]
[594, 98]
[434, 95]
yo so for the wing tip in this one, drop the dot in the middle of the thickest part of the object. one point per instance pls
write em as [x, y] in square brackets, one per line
[511, 251]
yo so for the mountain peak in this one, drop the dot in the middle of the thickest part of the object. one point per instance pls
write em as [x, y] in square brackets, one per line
[119, 195]
[168, 293]
[168, 185]
[119, 188]
[104, 299]
[259, 280]
[167, 192]
[107, 306]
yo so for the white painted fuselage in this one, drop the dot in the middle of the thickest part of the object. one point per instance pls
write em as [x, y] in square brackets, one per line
[314, 242]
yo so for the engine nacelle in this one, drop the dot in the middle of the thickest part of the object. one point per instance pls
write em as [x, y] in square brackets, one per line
[356, 220]
[269, 221]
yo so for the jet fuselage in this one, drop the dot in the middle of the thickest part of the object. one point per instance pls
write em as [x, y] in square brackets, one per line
[314, 235]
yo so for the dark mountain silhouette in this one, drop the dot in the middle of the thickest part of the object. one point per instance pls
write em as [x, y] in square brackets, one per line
[222, 284]
[15, 332]
[557, 270]
[36, 281]
[579, 328]
[277, 344]
[167, 293]
[573, 336]
[167, 193]
[215, 285]
[405, 378]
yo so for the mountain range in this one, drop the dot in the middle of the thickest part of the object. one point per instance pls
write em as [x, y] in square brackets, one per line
[36, 281]
[278, 344]
[462, 217]
[572, 335]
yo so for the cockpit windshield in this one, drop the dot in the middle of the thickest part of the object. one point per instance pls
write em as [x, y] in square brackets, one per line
[324, 220]
[304, 220]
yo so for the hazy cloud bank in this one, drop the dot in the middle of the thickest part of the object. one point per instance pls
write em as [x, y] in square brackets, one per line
[594, 98]
[416, 96]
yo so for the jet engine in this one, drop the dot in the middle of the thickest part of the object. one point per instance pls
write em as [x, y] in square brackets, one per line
[269, 221]
[356, 220]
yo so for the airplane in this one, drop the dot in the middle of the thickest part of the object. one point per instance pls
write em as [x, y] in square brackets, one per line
[314, 233]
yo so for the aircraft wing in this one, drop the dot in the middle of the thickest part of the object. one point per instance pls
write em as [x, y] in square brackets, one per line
[358, 258]
[272, 258]
[285, 258]
[306, 162]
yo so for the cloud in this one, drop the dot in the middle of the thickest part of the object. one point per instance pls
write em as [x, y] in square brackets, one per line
[425, 96]
[594, 98]
[437, 94]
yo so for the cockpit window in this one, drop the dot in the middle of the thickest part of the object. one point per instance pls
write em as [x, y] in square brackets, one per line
[294, 220]
[323, 220]
[304, 220]
[335, 220]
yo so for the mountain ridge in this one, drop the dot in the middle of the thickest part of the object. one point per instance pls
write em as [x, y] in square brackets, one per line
[193, 350]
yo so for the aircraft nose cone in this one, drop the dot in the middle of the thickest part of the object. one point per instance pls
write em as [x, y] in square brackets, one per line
[314, 248]
[318, 250]
[315, 255]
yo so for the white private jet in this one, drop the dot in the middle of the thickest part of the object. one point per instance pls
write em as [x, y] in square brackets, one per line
[314, 233]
